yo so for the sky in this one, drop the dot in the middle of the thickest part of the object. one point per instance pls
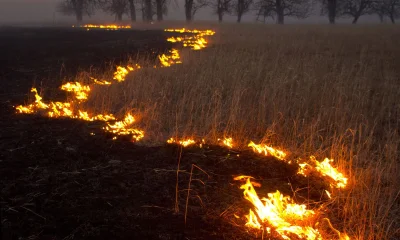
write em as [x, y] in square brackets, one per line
[44, 11]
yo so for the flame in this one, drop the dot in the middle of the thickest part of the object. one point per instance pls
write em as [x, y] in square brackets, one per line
[267, 150]
[279, 213]
[121, 72]
[100, 82]
[227, 142]
[171, 58]
[184, 143]
[108, 27]
[81, 91]
[326, 169]
[195, 42]
[122, 128]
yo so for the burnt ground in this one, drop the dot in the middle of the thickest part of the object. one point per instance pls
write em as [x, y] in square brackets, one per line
[60, 182]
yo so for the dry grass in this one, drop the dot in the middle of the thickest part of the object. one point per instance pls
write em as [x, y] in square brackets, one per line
[327, 91]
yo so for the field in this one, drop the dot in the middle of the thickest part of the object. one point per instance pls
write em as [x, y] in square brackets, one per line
[323, 91]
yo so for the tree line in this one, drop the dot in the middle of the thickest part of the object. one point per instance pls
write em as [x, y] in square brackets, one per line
[263, 9]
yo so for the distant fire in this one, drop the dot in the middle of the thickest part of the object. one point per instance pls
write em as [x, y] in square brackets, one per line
[106, 27]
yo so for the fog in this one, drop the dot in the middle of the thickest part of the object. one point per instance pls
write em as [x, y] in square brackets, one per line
[44, 11]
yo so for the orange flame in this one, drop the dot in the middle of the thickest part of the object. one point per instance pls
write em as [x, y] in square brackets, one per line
[184, 143]
[122, 128]
[81, 91]
[267, 150]
[279, 213]
[171, 58]
[108, 27]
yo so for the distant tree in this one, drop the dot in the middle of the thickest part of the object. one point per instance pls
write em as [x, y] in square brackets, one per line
[241, 7]
[332, 8]
[116, 7]
[79, 8]
[148, 10]
[192, 6]
[357, 8]
[161, 9]
[132, 10]
[282, 8]
[390, 8]
[220, 7]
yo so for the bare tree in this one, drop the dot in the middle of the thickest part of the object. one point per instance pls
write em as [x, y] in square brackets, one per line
[116, 7]
[332, 8]
[242, 7]
[192, 6]
[357, 8]
[282, 8]
[220, 7]
[132, 10]
[79, 8]
[390, 8]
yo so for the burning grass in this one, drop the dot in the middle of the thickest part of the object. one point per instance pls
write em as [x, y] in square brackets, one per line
[300, 92]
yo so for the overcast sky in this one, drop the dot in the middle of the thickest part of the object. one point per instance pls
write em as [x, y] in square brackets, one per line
[44, 11]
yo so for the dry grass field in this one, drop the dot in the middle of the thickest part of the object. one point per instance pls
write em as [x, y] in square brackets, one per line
[326, 91]
[311, 90]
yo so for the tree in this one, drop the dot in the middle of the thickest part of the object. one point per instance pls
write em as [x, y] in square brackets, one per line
[116, 7]
[79, 8]
[332, 8]
[282, 8]
[148, 10]
[132, 10]
[220, 7]
[242, 7]
[192, 6]
[390, 8]
[357, 8]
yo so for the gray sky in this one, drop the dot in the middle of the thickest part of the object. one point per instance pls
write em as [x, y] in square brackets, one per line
[43, 11]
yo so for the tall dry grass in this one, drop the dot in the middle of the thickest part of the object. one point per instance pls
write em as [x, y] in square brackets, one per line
[312, 90]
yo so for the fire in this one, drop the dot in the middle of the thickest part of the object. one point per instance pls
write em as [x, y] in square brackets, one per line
[121, 72]
[326, 169]
[279, 213]
[227, 142]
[195, 42]
[81, 91]
[267, 150]
[184, 143]
[171, 58]
[108, 27]
[122, 128]
[32, 107]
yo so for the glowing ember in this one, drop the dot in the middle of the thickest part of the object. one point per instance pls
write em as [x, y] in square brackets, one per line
[267, 150]
[279, 213]
[184, 143]
[81, 91]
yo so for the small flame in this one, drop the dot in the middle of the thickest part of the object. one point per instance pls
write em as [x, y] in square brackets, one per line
[121, 72]
[122, 128]
[108, 27]
[267, 150]
[326, 169]
[227, 142]
[81, 91]
[184, 143]
[172, 57]
[278, 212]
